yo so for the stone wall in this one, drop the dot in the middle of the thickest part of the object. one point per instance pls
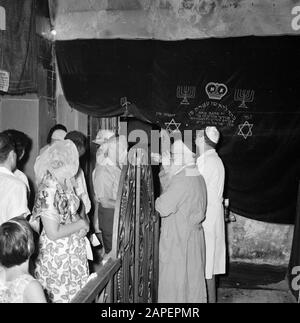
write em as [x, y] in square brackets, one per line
[72, 119]
[173, 19]
[259, 242]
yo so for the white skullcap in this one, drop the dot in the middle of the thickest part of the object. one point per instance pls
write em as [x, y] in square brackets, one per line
[58, 134]
[103, 136]
[212, 134]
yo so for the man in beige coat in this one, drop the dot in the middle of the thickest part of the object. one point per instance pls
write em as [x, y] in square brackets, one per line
[181, 248]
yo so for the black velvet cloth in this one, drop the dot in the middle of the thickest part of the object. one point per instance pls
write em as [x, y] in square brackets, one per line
[257, 111]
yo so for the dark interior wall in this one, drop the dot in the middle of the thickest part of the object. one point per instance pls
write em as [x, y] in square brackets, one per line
[29, 104]
[18, 54]
[46, 88]
[43, 21]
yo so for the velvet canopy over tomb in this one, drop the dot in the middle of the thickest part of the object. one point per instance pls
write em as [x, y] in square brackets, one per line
[247, 86]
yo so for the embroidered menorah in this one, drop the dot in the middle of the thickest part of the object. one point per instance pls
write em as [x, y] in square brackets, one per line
[244, 96]
[185, 93]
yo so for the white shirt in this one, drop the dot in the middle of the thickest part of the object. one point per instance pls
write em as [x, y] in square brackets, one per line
[211, 168]
[20, 175]
[106, 178]
[81, 190]
[13, 196]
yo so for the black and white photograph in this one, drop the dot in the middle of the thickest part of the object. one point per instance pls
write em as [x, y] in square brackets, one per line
[149, 154]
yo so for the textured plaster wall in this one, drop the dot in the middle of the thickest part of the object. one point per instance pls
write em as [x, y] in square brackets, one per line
[171, 19]
[28, 113]
[22, 113]
[72, 119]
[259, 242]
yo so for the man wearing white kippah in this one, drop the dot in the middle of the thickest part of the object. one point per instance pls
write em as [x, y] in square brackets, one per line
[211, 168]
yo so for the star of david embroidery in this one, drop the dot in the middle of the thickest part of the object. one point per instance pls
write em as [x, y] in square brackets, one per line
[245, 130]
[172, 126]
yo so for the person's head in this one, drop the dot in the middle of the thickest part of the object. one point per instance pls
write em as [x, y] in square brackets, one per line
[207, 139]
[103, 135]
[58, 135]
[180, 154]
[21, 141]
[117, 150]
[57, 132]
[8, 156]
[61, 159]
[16, 242]
[79, 139]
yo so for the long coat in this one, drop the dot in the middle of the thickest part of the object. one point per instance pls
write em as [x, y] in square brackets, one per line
[211, 168]
[181, 247]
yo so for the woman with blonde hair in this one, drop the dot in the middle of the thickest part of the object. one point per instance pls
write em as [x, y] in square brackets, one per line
[62, 265]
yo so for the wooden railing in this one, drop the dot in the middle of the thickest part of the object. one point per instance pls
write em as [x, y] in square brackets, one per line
[131, 275]
[96, 289]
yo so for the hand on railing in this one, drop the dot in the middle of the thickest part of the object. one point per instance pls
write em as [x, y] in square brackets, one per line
[106, 257]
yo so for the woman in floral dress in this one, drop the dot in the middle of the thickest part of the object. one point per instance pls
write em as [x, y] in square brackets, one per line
[61, 266]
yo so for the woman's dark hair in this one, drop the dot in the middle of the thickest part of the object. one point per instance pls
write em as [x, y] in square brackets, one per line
[6, 146]
[21, 141]
[16, 242]
[56, 127]
[79, 139]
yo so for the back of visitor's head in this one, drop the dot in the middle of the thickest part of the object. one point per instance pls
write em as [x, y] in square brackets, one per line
[211, 136]
[54, 129]
[207, 138]
[21, 141]
[58, 135]
[181, 154]
[16, 242]
[117, 149]
[61, 159]
[103, 135]
[79, 139]
[6, 146]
